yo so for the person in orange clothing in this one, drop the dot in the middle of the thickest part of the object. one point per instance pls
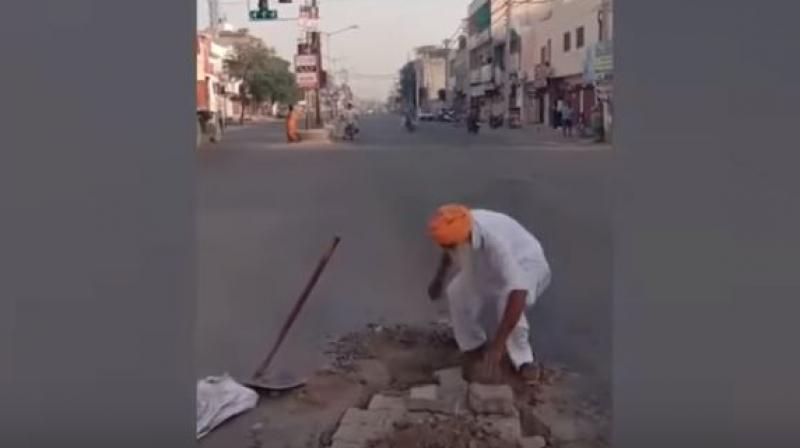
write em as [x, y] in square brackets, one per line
[497, 263]
[292, 134]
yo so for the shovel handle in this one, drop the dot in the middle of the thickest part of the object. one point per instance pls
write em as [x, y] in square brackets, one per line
[297, 307]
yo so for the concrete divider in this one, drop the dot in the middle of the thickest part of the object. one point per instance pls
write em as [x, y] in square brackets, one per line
[315, 135]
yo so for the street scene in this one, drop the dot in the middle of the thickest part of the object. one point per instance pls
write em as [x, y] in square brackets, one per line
[404, 235]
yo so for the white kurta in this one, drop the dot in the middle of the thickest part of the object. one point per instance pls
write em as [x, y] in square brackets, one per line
[503, 256]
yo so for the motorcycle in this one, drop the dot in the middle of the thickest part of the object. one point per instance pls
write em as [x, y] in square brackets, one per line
[473, 126]
[408, 123]
[350, 131]
[496, 121]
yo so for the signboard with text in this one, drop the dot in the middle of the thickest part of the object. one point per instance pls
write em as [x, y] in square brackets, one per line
[307, 80]
[308, 18]
[308, 62]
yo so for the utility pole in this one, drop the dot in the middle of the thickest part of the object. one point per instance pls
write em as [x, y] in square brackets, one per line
[213, 15]
[316, 46]
[507, 57]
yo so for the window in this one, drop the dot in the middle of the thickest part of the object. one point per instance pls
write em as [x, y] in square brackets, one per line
[567, 41]
[579, 37]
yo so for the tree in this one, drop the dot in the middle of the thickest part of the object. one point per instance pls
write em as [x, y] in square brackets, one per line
[264, 75]
[408, 83]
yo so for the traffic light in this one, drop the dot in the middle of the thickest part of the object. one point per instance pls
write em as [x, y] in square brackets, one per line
[263, 12]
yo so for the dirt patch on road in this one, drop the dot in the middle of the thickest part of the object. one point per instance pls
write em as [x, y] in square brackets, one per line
[452, 432]
[411, 353]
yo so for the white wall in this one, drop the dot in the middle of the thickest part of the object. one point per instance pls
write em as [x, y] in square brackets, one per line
[563, 16]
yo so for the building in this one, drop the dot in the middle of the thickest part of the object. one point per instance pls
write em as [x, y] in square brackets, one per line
[482, 88]
[230, 37]
[458, 76]
[431, 75]
[222, 45]
[560, 63]
[526, 57]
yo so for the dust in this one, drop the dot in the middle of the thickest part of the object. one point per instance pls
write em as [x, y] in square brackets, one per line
[412, 353]
[449, 432]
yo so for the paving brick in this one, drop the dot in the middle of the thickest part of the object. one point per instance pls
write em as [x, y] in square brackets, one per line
[533, 442]
[426, 399]
[450, 378]
[427, 392]
[341, 444]
[383, 402]
[491, 399]
[509, 428]
[358, 425]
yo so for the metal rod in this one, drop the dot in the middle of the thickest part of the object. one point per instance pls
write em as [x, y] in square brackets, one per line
[297, 307]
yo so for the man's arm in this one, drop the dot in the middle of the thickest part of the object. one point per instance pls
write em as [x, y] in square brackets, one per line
[437, 284]
[514, 279]
[515, 306]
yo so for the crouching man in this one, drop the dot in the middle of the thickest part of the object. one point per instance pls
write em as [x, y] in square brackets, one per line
[497, 263]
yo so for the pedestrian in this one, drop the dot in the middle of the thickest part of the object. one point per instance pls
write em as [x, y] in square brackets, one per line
[292, 133]
[597, 123]
[558, 115]
[497, 263]
[567, 119]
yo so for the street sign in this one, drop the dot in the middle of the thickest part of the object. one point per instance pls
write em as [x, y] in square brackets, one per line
[307, 80]
[308, 18]
[306, 61]
[264, 14]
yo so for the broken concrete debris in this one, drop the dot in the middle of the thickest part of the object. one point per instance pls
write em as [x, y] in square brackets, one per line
[533, 442]
[381, 402]
[491, 399]
[490, 418]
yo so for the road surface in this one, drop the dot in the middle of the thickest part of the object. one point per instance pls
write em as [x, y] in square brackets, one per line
[266, 212]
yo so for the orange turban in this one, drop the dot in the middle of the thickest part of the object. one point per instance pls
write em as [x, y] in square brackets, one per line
[451, 225]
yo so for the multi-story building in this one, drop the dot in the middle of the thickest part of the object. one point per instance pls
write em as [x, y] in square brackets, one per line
[558, 65]
[230, 37]
[527, 57]
[458, 76]
[479, 46]
[431, 75]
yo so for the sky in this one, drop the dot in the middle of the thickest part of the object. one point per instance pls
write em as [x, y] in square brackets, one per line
[388, 31]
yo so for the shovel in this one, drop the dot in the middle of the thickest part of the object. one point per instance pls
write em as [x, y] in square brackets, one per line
[283, 380]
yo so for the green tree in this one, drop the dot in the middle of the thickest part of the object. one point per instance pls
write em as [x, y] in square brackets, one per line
[264, 76]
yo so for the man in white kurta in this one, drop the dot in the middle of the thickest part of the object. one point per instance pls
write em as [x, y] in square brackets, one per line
[497, 263]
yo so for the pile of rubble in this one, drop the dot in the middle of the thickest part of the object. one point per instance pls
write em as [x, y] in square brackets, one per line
[449, 414]
[344, 351]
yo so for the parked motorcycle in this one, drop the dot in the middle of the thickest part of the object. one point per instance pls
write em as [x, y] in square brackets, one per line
[495, 121]
[473, 126]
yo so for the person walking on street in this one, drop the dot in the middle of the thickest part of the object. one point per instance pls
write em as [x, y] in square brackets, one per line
[558, 114]
[567, 119]
[292, 118]
[597, 123]
[497, 263]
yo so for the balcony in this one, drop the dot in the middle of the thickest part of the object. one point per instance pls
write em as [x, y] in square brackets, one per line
[486, 73]
[477, 40]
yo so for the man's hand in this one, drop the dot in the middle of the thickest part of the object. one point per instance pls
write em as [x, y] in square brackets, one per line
[496, 350]
[435, 289]
[491, 361]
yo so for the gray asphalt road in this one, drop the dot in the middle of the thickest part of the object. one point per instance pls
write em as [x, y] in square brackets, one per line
[267, 211]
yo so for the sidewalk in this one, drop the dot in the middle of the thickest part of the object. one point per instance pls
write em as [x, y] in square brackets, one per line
[540, 134]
